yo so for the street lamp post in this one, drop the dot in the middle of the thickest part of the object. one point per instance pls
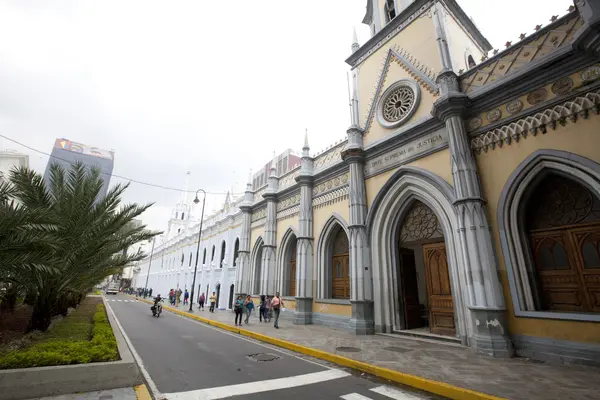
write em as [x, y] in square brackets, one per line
[149, 265]
[196, 201]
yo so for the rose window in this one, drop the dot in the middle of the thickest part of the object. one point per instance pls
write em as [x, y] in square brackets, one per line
[398, 104]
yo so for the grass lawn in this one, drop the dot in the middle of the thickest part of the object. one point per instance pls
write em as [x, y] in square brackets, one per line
[82, 337]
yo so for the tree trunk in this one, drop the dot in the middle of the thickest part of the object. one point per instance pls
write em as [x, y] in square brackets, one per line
[9, 301]
[41, 316]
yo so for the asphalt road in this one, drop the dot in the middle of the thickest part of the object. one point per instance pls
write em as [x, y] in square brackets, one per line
[188, 360]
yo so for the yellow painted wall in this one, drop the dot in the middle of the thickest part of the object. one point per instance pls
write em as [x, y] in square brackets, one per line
[418, 39]
[495, 167]
[255, 234]
[338, 309]
[283, 226]
[459, 42]
[438, 163]
[395, 72]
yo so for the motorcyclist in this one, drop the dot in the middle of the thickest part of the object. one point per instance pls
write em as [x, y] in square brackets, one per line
[157, 300]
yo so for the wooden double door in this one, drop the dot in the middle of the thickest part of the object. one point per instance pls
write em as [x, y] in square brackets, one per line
[567, 262]
[439, 313]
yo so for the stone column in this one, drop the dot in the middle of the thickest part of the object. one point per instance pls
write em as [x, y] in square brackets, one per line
[242, 274]
[267, 285]
[305, 241]
[361, 282]
[476, 253]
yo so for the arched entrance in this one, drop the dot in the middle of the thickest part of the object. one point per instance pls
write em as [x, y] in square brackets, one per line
[218, 294]
[292, 271]
[562, 222]
[286, 264]
[340, 266]
[256, 275]
[230, 303]
[423, 280]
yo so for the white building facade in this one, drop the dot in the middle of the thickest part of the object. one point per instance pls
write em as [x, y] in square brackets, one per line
[173, 261]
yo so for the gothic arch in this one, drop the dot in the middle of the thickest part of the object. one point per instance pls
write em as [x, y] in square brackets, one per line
[256, 267]
[236, 251]
[284, 256]
[324, 253]
[515, 244]
[391, 204]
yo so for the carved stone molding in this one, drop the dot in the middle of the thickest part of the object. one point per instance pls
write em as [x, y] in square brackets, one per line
[259, 214]
[331, 184]
[538, 123]
[331, 197]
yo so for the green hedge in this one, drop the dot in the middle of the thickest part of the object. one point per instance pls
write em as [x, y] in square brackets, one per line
[77, 339]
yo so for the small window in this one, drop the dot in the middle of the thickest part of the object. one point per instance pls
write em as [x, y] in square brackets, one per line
[204, 257]
[182, 259]
[212, 257]
[390, 10]
[236, 250]
[182, 215]
[471, 62]
[190, 263]
[178, 230]
[222, 254]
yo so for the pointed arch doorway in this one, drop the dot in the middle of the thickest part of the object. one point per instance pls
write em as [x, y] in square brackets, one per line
[423, 280]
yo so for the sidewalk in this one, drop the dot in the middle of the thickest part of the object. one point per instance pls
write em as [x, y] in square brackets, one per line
[514, 378]
[135, 393]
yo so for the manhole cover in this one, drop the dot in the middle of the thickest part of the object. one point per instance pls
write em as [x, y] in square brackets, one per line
[348, 349]
[397, 349]
[263, 357]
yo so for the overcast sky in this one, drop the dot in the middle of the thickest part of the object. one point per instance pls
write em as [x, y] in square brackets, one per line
[213, 87]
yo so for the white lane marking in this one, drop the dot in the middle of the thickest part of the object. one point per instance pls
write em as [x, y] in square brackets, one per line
[153, 388]
[394, 393]
[355, 396]
[258, 387]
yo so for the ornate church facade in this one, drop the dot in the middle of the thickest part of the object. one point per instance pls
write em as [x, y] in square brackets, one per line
[464, 203]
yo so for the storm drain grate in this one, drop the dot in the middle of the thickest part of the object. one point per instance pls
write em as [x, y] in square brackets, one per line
[263, 357]
[397, 349]
[348, 349]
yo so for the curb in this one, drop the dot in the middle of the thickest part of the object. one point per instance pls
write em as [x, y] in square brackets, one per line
[427, 385]
[141, 392]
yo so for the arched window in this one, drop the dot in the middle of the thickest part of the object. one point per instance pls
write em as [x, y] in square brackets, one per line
[390, 10]
[562, 221]
[204, 257]
[212, 257]
[236, 250]
[182, 215]
[223, 248]
[182, 259]
[340, 266]
[471, 62]
[190, 263]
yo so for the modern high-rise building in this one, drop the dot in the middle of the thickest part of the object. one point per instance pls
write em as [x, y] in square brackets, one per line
[66, 152]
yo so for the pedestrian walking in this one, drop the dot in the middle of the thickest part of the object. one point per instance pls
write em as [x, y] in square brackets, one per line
[239, 305]
[178, 294]
[277, 304]
[150, 292]
[201, 301]
[249, 306]
[213, 300]
[172, 297]
[268, 310]
[261, 308]
[186, 297]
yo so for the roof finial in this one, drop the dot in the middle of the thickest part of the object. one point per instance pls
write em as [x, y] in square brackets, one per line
[355, 45]
[306, 148]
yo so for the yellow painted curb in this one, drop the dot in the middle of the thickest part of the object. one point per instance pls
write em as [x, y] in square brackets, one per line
[141, 392]
[428, 385]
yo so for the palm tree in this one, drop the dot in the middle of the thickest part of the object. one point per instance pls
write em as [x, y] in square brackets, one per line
[26, 243]
[92, 233]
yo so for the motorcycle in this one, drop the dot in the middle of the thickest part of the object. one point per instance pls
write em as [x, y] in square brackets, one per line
[157, 309]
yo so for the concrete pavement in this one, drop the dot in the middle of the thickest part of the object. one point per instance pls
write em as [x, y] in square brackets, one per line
[188, 360]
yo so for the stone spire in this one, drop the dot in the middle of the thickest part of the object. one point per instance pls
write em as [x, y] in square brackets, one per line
[355, 45]
[306, 147]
